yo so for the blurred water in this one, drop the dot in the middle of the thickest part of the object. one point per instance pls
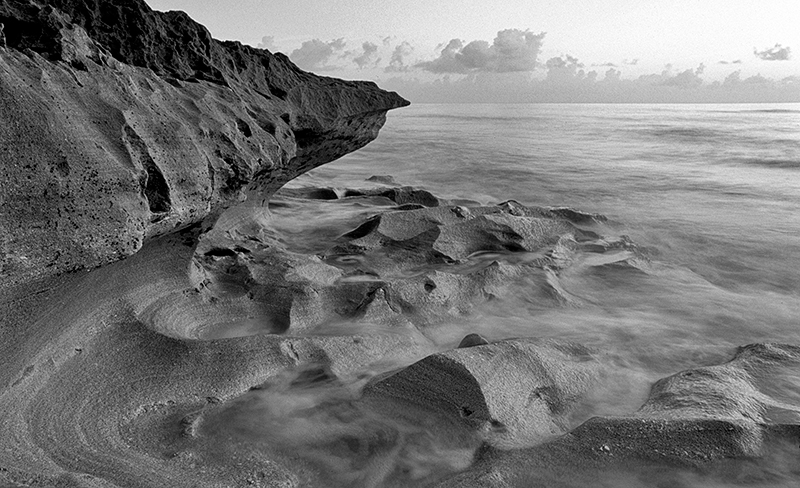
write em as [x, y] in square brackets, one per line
[711, 191]
[710, 194]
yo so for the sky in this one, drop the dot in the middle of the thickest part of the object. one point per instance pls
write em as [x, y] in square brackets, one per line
[528, 50]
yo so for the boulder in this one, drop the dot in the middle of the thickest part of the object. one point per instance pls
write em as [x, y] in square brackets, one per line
[514, 393]
[709, 426]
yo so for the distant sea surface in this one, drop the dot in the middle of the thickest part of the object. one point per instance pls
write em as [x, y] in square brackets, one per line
[710, 192]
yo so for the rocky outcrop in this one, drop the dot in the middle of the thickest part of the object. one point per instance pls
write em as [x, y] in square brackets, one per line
[513, 393]
[416, 263]
[120, 124]
[717, 425]
[191, 345]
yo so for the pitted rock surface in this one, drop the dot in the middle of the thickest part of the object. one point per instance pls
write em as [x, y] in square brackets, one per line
[514, 393]
[120, 123]
[716, 425]
[406, 265]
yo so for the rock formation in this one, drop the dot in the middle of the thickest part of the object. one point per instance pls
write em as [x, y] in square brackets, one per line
[156, 331]
[121, 124]
[722, 425]
[415, 264]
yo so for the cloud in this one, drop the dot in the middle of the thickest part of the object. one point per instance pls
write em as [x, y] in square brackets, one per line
[566, 69]
[632, 62]
[686, 78]
[777, 53]
[566, 80]
[736, 61]
[369, 56]
[690, 78]
[316, 54]
[612, 75]
[588, 88]
[511, 51]
[605, 65]
[397, 63]
[267, 42]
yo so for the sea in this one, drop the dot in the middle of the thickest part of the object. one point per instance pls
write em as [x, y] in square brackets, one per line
[709, 192]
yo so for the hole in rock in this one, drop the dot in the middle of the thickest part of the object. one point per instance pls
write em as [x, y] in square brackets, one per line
[244, 128]
[219, 252]
[154, 186]
[278, 92]
[306, 137]
[323, 194]
[268, 127]
[156, 190]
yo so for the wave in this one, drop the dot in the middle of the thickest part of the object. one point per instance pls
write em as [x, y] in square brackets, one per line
[760, 111]
[769, 162]
[771, 111]
[693, 133]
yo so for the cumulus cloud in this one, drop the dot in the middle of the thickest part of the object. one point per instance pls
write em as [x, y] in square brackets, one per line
[736, 61]
[686, 78]
[735, 79]
[690, 78]
[612, 76]
[369, 56]
[398, 63]
[777, 53]
[566, 82]
[316, 54]
[267, 42]
[565, 69]
[513, 50]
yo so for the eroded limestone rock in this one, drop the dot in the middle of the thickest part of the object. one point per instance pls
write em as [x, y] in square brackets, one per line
[715, 425]
[119, 124]
[409, 264]
[514, 393]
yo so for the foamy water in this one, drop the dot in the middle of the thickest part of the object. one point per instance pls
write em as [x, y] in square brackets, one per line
[709, 194]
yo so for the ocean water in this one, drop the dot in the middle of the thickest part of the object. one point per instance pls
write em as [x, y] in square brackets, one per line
[709, 193]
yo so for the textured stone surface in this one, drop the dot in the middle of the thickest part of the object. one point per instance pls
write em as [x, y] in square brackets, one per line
[514, 393]
[119, 124]
[127, 133]
[90, 384]
[713, 426]
[408, 264]
[200, 351]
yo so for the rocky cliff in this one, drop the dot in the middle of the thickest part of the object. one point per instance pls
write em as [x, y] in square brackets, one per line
[120, 124]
